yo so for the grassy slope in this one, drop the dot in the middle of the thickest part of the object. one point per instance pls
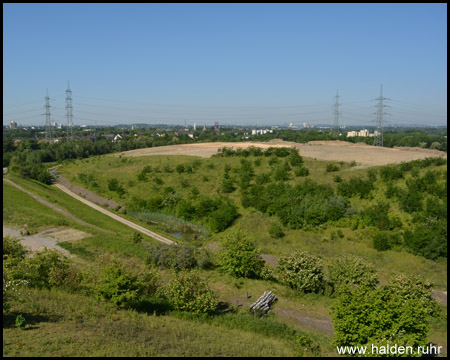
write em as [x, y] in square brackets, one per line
[62, 324]
[253, 222]
[20, 209]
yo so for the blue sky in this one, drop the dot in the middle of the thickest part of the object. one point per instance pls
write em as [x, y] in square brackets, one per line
[244, 64]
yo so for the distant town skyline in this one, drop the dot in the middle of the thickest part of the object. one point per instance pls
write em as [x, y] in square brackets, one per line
[238, 64]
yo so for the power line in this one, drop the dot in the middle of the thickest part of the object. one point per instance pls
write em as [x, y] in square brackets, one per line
[336, 116]
[378, 141]
[69, 112]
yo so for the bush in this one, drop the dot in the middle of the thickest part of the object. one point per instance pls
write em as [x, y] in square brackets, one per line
[239, 256]
[378, 316]
[223, 216]
[118, 286]
[46, 269]
[353, 271]
[136, 238]
[428, 239]
[301, 171]
[275, 231]
[390, 173]
[180, 168]
[178, 257]
[189, 292]
[13, 250]
[228, 186]
[414, 288]
[205, 259]
[332, 167]
[301, 271]
[381, 241]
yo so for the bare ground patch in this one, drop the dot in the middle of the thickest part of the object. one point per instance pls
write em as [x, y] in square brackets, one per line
[65, 234]
[366, 155]
[36, 242]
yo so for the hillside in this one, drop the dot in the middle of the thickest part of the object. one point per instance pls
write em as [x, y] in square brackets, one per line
[166, 194]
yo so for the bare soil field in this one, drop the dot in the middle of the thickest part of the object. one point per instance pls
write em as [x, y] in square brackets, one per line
[366, 155]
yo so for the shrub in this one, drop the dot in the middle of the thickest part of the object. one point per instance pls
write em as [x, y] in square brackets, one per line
[428, 239]
[177, 257]
[205, 259]
[180, 168]
[223, 216]
[337, 206]
[414, 288]
[20, 321]
[46, 269]
[331, 168]
[118, 286]
[355, 186]
[378, 316]
[227, 186]
[239, 256]
[136, 237]
[301, 271]
[353, 271]
[13, 250]
[113, 184]
[301, 171]
[189, 292]
[275, 231]
[390, 173]
[381, 241]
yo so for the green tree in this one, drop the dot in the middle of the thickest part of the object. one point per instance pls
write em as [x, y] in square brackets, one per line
[118, 286]
[187, 291]
[240, 257]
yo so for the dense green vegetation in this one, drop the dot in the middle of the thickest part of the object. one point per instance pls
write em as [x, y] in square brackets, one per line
[338, 232]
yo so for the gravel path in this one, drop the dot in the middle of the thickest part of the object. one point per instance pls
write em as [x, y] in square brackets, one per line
[116, 217]
[87, 194]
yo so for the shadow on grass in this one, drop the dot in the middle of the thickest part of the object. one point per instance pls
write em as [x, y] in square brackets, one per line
[153, 306]
[9, 320]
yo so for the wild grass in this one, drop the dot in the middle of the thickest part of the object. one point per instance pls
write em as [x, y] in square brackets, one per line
[65, 324]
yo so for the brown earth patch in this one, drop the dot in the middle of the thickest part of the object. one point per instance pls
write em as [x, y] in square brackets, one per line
[65, 234]
[366, 155]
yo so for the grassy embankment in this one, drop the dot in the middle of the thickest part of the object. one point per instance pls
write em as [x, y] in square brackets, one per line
[207, 177]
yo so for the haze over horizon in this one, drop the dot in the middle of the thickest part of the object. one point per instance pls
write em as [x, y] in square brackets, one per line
[240, 64]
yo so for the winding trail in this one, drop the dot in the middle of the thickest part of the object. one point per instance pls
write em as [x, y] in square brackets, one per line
[116, 217]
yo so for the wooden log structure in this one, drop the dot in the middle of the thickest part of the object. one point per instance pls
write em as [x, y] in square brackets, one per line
[262, 305]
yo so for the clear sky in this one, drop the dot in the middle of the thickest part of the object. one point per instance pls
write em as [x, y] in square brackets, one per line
[243, 64]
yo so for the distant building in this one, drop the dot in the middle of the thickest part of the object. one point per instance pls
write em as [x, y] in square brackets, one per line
[13, 125]
[261, 132]
[362, 133]
[117, 137]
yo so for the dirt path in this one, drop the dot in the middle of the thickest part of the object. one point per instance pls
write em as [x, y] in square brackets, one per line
[116, 217]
